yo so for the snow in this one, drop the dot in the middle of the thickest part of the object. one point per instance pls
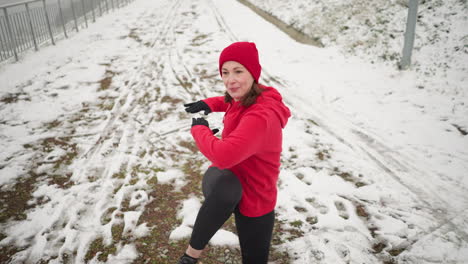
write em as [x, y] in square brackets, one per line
[372, 156]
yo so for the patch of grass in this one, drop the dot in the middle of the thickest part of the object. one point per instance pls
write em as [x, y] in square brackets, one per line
[13, 98]
[396, 251]
[53, 124]
[14, 200]
[161, 216]
[341, 210]
[49, 144]
[199, 40]
[106, 217]
[153, 182]
[142, 153]
[107, 106]
[116, 189]
[117, 232]
[297, 223]
[190, 145]
[122, 173]
[133, 34]
[323, 155]
[288, 231]
[133, 181]
[7, 253]
[107, 81]
[300, 175]
[361, 211]
[379, 247]
[312, 220]
[300, 209]
[161, 115]
[349, 177]
[63, 181]
[312, 121]
[125, 204]
[171, 100]
[98, 248]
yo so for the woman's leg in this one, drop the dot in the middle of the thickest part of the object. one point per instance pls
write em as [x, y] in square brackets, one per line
[222, 191]
[255, 236]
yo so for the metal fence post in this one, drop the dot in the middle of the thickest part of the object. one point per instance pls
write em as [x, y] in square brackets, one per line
[12, 40]
[112, 3]
[74, 15]
[409, 35]
[100, 8]
[84, 13]
[48, 23]
[31, 27]
[107, 6]
[92, 10]
[61, 18]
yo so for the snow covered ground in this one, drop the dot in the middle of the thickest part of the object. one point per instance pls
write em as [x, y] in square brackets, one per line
[92, 131]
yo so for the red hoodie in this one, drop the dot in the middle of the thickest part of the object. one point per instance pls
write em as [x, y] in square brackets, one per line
[250, 147]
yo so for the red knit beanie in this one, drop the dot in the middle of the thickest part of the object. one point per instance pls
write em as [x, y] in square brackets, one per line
[244, 53]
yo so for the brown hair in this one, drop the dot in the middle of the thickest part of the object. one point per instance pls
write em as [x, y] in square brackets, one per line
[250, 98]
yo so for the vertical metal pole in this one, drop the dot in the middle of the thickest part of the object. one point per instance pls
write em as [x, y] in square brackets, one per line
[2, 47]
[2, 42]
[107, 6]
[100, 8]
[409, 35]
[31, 27]
[18, 32]
[92, 9]
[61, 18]
[37, 23]
[84, 13]
[24, 29]
[74, 15]
[12, 40]
[48, 23]
[112, 3]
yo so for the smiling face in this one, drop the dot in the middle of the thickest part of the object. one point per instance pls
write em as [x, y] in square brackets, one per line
[237, 79]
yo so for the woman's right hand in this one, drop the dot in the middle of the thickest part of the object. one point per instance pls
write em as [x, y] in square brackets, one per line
[196, 107]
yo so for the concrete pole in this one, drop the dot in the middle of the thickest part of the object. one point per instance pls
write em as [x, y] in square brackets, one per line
[409, 35]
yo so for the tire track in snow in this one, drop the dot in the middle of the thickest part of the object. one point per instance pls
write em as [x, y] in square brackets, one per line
[393, 164]
[135, 82]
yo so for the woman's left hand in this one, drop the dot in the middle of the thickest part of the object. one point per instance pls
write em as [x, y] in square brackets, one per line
[202, 121]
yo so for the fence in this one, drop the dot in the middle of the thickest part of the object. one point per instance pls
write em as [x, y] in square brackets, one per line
[30, 24]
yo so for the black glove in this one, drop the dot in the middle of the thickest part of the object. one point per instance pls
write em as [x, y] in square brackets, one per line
[196, 107]
[200, 121]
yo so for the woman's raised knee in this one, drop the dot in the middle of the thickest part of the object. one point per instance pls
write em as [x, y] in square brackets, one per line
[222, 185]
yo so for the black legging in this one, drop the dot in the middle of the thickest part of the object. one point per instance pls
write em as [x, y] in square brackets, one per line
[223, 191]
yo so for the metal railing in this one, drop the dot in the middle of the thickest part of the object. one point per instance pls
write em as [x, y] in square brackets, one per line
[30, 24]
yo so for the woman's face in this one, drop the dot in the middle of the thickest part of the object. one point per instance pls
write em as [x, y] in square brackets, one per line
[237, 79]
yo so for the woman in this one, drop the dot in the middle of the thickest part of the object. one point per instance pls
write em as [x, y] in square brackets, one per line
[245, 161]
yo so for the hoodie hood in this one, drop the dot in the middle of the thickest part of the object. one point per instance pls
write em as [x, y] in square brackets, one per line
[272, 99]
